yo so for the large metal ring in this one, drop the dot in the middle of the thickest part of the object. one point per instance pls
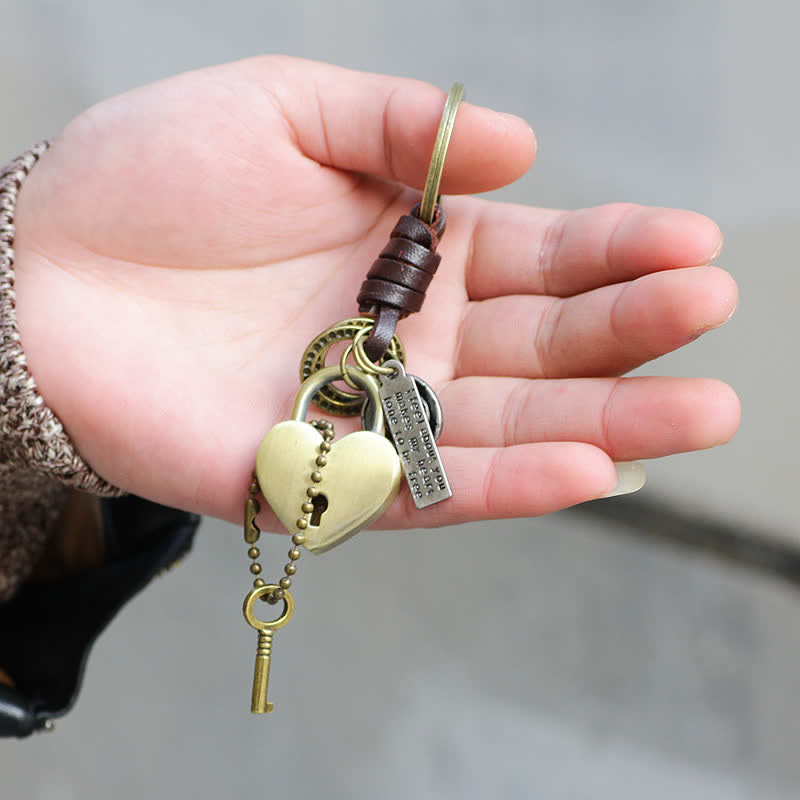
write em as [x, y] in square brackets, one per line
[431, 194]
[331, 398]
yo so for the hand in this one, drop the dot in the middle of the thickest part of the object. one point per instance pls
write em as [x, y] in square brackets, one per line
[179, 245]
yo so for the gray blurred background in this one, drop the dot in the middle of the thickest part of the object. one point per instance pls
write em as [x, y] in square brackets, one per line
[603, 665]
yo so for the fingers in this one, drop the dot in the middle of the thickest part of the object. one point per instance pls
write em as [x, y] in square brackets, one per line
[386, 126]
[519, 250]
[628, 418]
[604, 332]
[499, 483]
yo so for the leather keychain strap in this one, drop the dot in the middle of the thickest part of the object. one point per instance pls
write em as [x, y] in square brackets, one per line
[397, 280]
[396, 283]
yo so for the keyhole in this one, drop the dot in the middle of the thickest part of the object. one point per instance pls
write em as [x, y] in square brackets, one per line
[320, 503]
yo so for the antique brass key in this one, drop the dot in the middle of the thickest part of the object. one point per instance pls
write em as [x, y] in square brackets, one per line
[259, 703]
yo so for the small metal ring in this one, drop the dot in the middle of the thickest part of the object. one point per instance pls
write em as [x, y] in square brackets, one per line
[431, 194]
[261, 591]
[361, 357]
[346, 370]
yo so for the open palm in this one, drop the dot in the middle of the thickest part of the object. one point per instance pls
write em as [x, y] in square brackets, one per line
[179, 245]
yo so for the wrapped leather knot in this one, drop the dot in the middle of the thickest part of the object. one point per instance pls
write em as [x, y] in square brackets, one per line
[396, 283]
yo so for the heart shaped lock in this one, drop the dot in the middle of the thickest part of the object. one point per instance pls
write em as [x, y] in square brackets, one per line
[360, 478]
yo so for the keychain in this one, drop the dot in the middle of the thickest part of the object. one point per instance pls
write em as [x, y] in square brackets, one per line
[325, 492]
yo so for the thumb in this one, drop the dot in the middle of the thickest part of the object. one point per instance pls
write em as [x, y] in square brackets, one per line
[386, 126]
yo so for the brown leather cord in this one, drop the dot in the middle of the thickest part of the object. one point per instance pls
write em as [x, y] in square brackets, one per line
[397, 280]
[402, 274]
[407, 299]
[411, 253]
[377, 343]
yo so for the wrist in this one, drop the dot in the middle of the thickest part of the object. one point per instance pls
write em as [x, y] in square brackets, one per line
[30, 432]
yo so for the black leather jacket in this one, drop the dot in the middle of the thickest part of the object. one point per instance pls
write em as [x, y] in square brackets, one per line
[48, 628]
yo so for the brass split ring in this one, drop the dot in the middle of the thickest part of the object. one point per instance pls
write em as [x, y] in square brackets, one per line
[430, 196]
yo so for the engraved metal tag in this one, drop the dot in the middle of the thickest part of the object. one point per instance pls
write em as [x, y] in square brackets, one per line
[412, 435]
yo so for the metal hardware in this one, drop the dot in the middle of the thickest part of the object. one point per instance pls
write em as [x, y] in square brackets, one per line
[431, 194]
[258, 702]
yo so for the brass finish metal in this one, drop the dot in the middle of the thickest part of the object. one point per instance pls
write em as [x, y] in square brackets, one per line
[258, 702]
[343, 367]
[329, 397]
[309, 510]
[251, 531]
[325, 376]
[370, 367]
[359, 481]
[431, 194]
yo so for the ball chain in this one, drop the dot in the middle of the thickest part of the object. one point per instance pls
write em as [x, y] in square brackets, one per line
[252, 533]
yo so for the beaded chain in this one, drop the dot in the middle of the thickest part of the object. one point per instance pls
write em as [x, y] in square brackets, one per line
[252, 532]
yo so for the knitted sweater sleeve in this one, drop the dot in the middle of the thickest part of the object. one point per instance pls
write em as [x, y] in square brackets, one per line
[38, 462]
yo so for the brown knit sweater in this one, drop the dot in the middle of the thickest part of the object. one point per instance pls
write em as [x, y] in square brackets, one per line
[38, 462]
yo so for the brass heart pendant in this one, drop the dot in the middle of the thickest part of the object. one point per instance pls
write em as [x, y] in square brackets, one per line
[359, 481]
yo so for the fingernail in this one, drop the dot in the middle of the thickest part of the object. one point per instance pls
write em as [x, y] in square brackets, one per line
[719, 324]
[728, 318]
[630, 478]
[715, 255]
[515, 119]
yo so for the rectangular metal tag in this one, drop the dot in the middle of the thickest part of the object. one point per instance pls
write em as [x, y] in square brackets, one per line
[413, 439]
